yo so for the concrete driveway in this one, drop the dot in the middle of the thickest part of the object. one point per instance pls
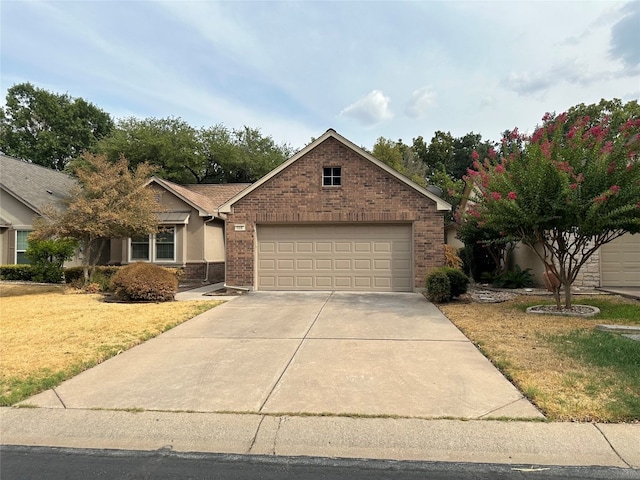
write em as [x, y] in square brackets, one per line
[303, 352]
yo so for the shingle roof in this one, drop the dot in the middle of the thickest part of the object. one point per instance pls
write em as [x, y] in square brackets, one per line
[205, 197]
[36, 186]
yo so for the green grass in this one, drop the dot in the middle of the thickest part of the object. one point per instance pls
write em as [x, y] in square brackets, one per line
[618, 357]
[609, 309]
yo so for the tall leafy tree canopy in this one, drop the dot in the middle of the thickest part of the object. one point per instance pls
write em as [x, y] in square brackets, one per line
[184, 154]
[47, 128]
[569, 188]
[402, 158]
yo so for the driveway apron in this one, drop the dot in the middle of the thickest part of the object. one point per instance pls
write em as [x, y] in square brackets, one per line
[338, 353]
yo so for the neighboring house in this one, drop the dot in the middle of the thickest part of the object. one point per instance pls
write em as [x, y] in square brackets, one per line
[333, 217]
[191, 234]
[615, 264]
[25, 189]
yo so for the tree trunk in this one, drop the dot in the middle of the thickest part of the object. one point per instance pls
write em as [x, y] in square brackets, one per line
[567, 294]
[553, 285]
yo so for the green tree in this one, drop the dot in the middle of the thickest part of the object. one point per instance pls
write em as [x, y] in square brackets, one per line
[572, 187]
[48, 256]
[256, 156]
[47, 128]
[402, 158]
[111, 201]
[184, 154]
[170, 145]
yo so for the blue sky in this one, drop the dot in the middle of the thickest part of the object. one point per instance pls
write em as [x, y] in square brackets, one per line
[293, 69]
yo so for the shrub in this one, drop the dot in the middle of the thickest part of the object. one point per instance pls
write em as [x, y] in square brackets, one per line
[457, 279]
[144, 282]
[22, 273]
[48, 256]
[438, 286]
[102, 275]
[451, 257]
[516, 278]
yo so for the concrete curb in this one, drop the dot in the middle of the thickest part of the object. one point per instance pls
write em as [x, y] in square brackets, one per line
[505, 442]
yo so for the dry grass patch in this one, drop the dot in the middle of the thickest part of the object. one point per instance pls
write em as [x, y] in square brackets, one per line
[526, 348]
[50, 333]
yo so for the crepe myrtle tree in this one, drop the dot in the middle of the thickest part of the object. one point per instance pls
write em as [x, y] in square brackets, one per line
[573, 187]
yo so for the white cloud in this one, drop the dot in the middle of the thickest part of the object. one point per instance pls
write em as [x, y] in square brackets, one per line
[370, 109]
[421, 100]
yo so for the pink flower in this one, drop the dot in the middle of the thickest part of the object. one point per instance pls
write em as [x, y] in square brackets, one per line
[572, 132]
[496, 195]
[492, 153]
[474, 155]
[600, 199]
[499, 169]
[512, 195]
[537, 135]
[614, 189]
[514, 134]
[607, 148]
[612, 168]
[580, 178]
[573, 186]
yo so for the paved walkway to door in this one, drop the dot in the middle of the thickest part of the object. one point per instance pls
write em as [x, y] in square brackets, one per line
[304, 352]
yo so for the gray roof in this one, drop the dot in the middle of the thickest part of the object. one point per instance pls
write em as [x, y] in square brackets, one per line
[34, 185]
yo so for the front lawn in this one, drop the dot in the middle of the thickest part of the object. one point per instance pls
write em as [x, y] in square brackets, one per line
[51, 333]
[569, 370]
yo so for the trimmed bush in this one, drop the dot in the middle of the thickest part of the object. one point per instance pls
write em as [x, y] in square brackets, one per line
[458, 280]
[438, 286]
[23, 273]
[102, 275]
[144, 282]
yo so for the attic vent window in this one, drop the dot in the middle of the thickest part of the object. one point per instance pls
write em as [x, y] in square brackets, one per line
[331, 176]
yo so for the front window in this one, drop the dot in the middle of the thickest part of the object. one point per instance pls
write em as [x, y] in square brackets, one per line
[154, 248]
[165, 244]
[331, 176]
[140, 248]
[21, 246]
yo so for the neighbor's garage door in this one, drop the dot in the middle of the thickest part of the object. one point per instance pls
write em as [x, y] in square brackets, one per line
[620, 262]
[335, 257]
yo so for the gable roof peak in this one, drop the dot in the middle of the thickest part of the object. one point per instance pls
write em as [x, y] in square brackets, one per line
[441, 204]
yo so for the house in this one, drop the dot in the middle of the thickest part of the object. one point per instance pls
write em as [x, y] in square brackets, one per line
[25, 189]
[333, 217]
[615, 264]
[191, 234]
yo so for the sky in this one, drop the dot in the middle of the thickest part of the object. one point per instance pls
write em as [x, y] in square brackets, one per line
[393, 69]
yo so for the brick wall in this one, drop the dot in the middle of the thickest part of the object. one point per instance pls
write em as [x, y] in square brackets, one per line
[196, 271]
[368, 195]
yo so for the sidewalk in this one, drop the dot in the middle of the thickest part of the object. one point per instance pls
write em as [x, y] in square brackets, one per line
[507, 442]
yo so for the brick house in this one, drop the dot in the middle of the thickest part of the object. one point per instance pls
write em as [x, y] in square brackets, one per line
[333, 217]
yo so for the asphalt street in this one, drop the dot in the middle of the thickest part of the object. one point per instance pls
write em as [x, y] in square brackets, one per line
[26, 463]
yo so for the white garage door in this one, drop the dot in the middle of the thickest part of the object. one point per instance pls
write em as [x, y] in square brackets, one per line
[620, 262]
[335, 257]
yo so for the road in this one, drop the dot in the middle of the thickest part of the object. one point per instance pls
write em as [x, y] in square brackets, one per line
[25, 463]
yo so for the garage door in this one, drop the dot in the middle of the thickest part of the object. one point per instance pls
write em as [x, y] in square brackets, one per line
[620, 262]
[335, 257]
